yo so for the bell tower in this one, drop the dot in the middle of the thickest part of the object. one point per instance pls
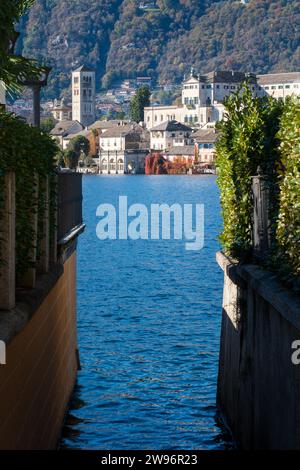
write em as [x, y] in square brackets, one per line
[83, 95]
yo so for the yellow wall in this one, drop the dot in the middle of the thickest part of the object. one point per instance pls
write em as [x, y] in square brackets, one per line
[40, 371]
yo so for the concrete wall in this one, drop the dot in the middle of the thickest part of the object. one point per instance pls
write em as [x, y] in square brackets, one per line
[40, 371]
[259, 386]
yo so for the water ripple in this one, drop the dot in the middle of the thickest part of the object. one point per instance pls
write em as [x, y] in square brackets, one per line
[149, 326]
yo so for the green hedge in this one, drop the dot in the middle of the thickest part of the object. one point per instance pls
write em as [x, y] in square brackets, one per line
[260, 133]
[288, 228]
[26, 151]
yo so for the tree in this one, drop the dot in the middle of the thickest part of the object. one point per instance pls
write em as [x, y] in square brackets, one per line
[78, 145]
[14, 69]
[47, 124]
[140, 100]
[70, 159]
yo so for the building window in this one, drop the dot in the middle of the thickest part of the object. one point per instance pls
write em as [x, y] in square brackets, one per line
[76, 80]
[287, 86]
[120, 164]
[232, 87]
[273, 87]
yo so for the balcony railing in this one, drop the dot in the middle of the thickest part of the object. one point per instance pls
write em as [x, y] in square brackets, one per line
[69, 212]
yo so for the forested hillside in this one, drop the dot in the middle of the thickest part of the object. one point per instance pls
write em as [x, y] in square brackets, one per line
[122, 38]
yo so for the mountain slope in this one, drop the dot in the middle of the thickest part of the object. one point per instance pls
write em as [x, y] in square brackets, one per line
[122, 39]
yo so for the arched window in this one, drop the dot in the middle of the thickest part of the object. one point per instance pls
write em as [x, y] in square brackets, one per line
[112, 164]
[104, 164]
[120, 164]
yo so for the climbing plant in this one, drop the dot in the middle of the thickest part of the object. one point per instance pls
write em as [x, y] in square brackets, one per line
[247, 141]
[288, 229]
[261, 134]
[30, 154]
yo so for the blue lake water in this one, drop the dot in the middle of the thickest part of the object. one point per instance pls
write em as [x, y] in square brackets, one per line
[149, 315]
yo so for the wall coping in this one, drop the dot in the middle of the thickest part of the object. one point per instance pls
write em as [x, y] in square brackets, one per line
[28, 301]
[266, 284]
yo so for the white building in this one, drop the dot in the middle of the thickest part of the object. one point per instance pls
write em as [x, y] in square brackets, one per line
[169, 134]
[183, 154]
[202, 99]
[2, 94]
[83, 95]
[279, 85]
[123, 149]
[205, 146]
[61, 111]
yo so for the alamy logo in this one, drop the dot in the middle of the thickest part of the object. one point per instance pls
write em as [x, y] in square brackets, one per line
[2, 353]
[296, 354]
[135, 222]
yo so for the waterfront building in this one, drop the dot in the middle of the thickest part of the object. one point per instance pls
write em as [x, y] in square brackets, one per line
[202, 99]
[61, 111]
[180, 154]
[83, 95]
[123, 149]
[63, 130]
[205, 146]
[202, 96]
[169, 134]
[279, 85]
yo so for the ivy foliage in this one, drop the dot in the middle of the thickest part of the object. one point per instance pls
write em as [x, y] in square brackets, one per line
[30, 154]
[260, 135]
[247, 141]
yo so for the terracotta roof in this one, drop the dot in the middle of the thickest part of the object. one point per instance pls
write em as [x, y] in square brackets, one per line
[171, 126]
[66, 127]
[273, 78]
[205, 135]
[121, 130]
[107, 124]
[181, 150]
[85, 133]
[228, 76]
[223, 76]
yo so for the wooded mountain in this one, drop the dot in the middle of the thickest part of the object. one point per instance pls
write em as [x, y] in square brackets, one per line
[162, 38]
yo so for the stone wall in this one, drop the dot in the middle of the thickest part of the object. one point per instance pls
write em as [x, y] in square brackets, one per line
[258, 384]
[41, 366]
